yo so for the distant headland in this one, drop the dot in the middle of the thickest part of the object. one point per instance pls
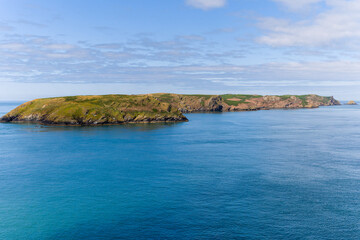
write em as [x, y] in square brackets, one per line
[147, 108]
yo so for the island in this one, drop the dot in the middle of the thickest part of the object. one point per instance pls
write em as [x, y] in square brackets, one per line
[351, 103]
[149, 108]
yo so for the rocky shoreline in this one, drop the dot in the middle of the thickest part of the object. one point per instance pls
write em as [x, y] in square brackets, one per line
[149, 108]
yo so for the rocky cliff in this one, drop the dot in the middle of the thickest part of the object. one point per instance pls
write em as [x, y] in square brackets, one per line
[239, 102]
[160, 107]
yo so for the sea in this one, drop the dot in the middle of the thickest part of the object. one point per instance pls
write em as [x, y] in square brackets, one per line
[276, 174]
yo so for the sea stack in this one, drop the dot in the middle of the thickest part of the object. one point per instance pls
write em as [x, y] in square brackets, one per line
[351, 103]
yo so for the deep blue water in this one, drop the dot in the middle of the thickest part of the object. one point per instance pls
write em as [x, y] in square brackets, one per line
[279, 174]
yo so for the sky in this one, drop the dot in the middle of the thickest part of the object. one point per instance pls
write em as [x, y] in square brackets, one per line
[73, 47]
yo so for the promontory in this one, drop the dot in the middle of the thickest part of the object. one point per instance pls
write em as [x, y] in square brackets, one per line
[159, 107]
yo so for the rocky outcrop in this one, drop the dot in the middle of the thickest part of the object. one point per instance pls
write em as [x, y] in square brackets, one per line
[351, 103]
[215, 104]
[332, 102]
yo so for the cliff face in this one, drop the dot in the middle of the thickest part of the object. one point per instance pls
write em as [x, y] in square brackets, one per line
[118, 109]
[238, 102]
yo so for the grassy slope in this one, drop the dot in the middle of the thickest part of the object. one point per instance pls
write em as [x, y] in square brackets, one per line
[98, 109]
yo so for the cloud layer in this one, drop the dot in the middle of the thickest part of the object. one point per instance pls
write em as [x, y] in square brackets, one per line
[339, 24]
[298, 4]
[291, 48]
[179, 62]
[206, 4]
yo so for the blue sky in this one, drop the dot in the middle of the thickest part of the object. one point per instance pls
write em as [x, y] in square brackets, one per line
[68, 47]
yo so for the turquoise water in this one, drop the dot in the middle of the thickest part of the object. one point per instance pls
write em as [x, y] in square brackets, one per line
[279, 174]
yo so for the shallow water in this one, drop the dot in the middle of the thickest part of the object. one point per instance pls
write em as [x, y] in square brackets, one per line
[279, 174]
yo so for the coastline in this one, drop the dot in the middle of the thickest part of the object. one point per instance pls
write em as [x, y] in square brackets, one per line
[149, 108]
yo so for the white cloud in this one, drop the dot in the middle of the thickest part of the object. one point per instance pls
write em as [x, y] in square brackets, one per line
[5, 27]
[12, 46]
[339, 23]
[298, 4]
[178, 61]
[60, 47]
[206, 4]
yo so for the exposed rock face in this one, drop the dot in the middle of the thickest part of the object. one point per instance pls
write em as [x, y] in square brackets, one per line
[215, 104]
[160, 107]
[237, 102]
[333, 101]
[351, 103]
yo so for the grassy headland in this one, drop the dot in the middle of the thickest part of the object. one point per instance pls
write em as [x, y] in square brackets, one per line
[159, 107]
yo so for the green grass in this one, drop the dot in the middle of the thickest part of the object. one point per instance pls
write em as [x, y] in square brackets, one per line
[285, 97]
[303, 98]
[325, 100]
[107, 108]
[206, 97]
[243, 97]
[167, 97]
[70, 99]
